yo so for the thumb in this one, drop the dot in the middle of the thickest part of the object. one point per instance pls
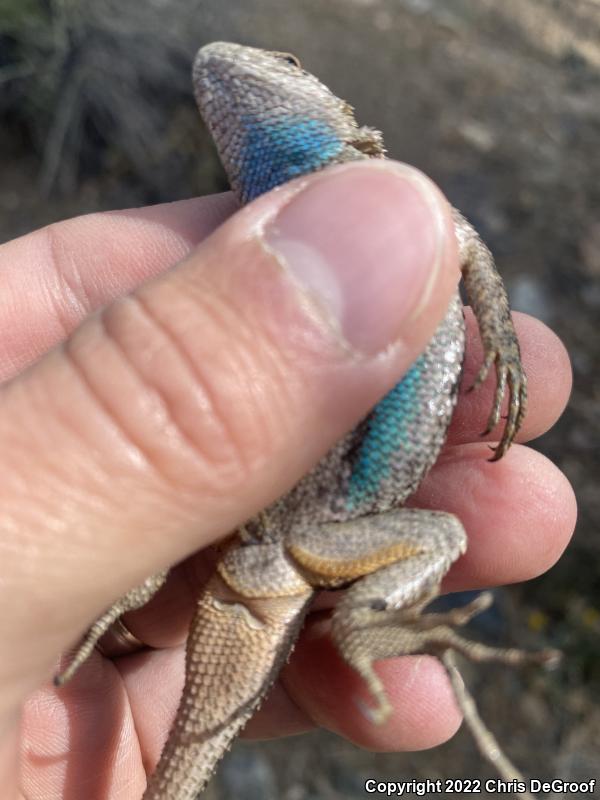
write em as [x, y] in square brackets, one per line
[179, 411]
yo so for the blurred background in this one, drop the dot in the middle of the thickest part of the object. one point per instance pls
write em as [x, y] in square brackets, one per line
[500, 104]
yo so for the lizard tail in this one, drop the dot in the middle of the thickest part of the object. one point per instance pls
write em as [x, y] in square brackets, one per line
[234, 652]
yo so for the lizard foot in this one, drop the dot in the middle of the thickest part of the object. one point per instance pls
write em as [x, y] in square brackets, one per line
[372, 634]
[365, 635]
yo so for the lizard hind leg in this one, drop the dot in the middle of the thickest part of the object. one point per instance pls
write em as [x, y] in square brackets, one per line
[135, 598]
[394, 562]
[397, 561]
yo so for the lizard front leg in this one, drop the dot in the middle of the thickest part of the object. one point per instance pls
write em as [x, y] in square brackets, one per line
[487, 296]
[135, 598]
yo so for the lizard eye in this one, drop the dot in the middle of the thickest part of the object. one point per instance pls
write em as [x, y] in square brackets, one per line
[290, 58]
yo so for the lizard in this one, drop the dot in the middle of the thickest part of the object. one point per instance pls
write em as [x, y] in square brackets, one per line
[345, 525]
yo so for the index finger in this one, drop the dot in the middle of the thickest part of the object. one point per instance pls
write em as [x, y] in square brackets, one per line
[52, 278]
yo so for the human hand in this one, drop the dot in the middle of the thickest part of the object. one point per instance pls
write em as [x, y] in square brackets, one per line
[175, 413]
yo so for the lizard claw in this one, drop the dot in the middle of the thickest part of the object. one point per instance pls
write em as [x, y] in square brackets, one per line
[509, 373]
[513, 375]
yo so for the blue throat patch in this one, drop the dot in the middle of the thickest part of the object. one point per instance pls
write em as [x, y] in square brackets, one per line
[275, 152]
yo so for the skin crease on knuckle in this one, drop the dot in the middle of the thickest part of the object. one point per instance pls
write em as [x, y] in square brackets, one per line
[179, 389]
[220, 363]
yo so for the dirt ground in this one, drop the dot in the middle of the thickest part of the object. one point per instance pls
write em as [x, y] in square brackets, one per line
[500, 104]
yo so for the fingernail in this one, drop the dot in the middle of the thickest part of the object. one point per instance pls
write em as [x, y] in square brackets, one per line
[365, 243]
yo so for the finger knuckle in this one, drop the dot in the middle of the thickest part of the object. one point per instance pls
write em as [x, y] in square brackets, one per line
[189, 405]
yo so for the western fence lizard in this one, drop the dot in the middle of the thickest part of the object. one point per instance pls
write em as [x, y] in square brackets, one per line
[344, 524]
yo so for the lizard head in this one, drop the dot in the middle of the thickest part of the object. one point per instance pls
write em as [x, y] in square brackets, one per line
[271, 120]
